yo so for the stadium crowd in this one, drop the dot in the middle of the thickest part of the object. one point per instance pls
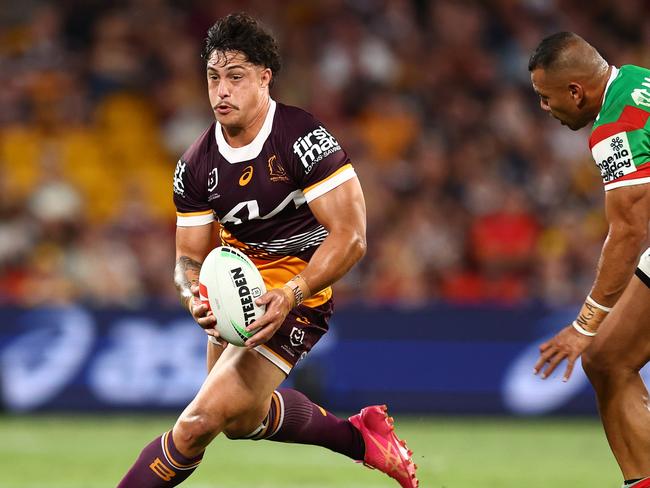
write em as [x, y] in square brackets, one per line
[474, 195]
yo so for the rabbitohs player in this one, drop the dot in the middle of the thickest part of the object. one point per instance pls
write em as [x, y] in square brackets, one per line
[577, 86]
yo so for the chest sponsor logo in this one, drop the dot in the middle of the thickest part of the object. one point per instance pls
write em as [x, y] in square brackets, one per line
[315, 146]
[641, 96]
[179, 185]
[276, 172]
[613, 157]
[250, 209]
[246, 176]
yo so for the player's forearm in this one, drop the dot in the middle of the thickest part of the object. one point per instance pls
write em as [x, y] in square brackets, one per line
[334, 258]
[186, 274]
[615, 268]
[617, 262]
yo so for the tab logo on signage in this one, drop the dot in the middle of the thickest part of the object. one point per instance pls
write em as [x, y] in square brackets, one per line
[614, 157]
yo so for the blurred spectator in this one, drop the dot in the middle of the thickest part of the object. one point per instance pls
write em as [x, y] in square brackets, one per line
[473, 194]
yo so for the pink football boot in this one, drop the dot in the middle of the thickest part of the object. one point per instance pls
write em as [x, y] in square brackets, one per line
[384, 451]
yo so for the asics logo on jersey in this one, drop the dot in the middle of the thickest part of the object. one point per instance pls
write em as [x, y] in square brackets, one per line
[302, 320]
[315, 146]
[179, 186]
[246, 176]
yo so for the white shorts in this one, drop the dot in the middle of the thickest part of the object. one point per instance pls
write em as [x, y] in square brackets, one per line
[643, 270]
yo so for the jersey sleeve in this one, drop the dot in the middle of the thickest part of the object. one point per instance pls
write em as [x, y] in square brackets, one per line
[621, 149]
[318, 163]
[190, 196]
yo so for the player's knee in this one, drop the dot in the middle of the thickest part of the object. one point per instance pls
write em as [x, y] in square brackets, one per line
[237, 432]
[596, 362]
[243, 426]
[601, 363]
[196, 429]
[590, 364]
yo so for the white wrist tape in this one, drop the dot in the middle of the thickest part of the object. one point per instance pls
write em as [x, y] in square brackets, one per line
[593, 302]
[577, 327]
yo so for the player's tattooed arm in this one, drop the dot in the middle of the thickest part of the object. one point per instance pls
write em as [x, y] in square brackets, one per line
[192, 246]
[186, 277]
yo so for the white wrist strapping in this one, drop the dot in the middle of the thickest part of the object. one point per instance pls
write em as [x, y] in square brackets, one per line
[583, 331]
[593, 302]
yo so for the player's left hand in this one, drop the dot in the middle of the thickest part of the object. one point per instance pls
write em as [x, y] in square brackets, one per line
[567, 344]
[277, 309]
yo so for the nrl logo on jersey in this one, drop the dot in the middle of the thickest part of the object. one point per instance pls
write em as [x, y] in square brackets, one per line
[613, 156]
[297, 336]
[179, 186]
[315, 146]
[213, 179]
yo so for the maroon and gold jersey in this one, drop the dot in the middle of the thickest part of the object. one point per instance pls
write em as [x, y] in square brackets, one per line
[259, 193]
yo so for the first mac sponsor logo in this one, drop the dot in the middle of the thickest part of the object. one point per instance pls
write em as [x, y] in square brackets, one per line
[315, 146]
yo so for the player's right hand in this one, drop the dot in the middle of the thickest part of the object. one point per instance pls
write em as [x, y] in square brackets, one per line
[201, 314]
[277, 308]
[567, 344]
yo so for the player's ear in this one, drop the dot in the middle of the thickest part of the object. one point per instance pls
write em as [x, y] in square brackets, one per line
[266, 77]
[577, 93]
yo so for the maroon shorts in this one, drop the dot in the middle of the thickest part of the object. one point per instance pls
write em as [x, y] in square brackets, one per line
[301, 330]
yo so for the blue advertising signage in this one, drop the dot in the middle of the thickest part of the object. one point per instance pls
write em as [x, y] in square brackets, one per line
[436, 359]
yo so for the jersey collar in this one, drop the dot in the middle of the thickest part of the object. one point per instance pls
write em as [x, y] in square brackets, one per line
[249, 151]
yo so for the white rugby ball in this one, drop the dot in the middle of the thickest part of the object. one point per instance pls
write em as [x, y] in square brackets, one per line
[229, 284]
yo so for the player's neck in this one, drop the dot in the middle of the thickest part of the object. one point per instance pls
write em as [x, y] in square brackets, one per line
[602, 88]
[244, 135]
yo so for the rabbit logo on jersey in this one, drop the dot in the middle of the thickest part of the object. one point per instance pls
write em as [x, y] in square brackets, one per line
[315, 146]
[641, 96]
[613, 156]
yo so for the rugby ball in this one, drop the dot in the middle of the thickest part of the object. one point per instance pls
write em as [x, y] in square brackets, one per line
[229, 284]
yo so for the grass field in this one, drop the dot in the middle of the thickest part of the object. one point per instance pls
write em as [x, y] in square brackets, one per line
[93, 452]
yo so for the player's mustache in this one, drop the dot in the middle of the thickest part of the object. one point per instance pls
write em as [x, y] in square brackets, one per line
[226, 104]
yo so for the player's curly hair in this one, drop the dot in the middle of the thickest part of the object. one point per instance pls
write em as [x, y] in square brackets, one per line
[241, 32]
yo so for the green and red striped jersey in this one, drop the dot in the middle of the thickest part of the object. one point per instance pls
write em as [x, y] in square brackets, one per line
[620, 138]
